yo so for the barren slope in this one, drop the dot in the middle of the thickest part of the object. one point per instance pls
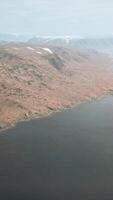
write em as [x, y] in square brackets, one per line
[37, 79]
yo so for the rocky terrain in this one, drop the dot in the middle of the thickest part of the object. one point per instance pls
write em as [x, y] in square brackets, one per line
[37, 79]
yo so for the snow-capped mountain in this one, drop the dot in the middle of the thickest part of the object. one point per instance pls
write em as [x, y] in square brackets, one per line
[101, 44]
[54, 40]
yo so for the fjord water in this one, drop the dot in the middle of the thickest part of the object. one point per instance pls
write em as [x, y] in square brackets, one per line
[68, 155]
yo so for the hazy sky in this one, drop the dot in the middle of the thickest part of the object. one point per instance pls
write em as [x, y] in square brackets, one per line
[57, 17]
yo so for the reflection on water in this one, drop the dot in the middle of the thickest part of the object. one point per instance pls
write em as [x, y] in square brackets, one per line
[66, 156]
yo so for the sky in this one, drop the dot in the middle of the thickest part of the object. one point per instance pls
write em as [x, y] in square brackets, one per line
[57, 17]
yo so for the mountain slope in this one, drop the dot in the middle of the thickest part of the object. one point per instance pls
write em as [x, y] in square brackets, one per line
[37, 79]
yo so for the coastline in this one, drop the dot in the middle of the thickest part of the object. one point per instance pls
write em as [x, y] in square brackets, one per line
[49, 113]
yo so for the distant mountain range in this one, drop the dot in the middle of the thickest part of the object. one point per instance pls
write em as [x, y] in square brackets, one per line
[7, 37]
[104, 44]
[101, 44]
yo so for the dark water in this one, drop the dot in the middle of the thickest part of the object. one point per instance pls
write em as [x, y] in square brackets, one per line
[66, 156]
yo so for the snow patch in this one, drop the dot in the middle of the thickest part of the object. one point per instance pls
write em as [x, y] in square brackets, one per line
[48, 50]
[59, 37]
[15, 48]
[30, 48]
[39, 52]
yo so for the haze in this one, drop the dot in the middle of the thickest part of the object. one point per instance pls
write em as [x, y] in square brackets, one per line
[57, 17]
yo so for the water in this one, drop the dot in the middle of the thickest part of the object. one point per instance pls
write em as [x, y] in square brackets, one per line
[66, 156]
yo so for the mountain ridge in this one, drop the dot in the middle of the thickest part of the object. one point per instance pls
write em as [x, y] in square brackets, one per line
[102, 44]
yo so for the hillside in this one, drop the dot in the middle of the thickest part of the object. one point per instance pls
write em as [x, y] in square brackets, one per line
[36, 79]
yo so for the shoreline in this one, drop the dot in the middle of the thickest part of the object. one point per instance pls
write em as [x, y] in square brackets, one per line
[49, 113]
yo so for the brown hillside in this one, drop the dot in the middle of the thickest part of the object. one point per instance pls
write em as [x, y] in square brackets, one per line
[38, 79]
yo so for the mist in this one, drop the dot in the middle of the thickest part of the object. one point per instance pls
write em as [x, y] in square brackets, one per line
[62, 17]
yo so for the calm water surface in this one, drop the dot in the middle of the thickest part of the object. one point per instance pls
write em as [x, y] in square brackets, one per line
[66, 156]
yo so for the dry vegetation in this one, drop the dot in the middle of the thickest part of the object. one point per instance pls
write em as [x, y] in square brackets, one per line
[34, 81]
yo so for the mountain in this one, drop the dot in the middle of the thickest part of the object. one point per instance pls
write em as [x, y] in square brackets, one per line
[37, 79]
[55, 40]
[101, 44]
[104, 44]
[5, 37]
